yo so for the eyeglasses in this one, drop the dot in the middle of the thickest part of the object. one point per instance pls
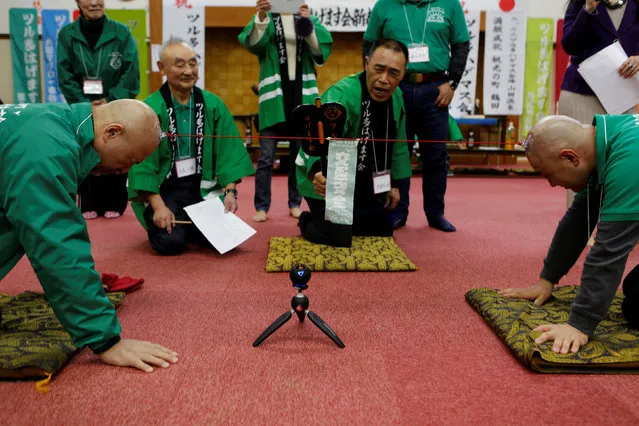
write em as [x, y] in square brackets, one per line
[529, 139]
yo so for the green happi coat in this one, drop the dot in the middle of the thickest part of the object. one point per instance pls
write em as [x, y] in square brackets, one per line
[46, 150]
[271, 103]
[114, 59]
[348, 92]
[224, 160]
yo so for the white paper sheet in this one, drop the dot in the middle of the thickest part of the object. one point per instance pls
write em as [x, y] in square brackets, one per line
[600, 71]
[286, 6]
[224, 230]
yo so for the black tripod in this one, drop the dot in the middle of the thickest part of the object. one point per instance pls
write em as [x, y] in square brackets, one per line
[300, 275]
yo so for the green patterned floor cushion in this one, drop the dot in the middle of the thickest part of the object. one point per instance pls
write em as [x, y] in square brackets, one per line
[378, 254]
[33, 344]
[614, 348]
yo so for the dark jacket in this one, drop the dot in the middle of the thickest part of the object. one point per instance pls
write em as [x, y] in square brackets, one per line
[585, 34]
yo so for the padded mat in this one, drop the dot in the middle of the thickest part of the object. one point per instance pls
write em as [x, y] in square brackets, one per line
[33, 343]
[370, 254]
[614, 348]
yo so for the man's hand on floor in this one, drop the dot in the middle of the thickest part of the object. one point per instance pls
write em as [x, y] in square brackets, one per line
[139, 354]
[566, 337]
[538, 292]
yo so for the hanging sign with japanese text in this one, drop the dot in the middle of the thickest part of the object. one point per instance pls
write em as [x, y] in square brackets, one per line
[464, 99]
[539, 51]
[184, 19]
[504, 63]
[25, 55]
[52, 22]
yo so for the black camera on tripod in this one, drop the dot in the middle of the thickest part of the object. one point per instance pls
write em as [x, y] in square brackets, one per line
[300, 275]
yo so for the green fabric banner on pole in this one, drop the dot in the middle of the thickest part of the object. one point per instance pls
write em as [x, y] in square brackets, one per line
[539, 42]
[135, 19]
[25, 55]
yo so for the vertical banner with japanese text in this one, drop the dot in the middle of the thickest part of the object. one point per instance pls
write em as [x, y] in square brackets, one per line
[52, 22]
[562, 61]
[25, 55]
[184, 19]
[135, 19]
[504, 63]
[340, 17]
[464, 99]
[539, 44]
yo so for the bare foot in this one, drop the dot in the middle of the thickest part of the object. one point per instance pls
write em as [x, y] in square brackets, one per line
[111, 215]
[260, 216]
[295, 212]
[90, 215]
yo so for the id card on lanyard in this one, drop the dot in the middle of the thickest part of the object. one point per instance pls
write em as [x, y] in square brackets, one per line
[184, 168]
[92, 85]
[417, 52]
[382, 180]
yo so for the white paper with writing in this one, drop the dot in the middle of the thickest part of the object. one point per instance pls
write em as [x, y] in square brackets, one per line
[225, 231]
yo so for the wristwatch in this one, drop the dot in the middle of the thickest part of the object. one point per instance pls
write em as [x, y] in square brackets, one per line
[453, 84]
[232, 191]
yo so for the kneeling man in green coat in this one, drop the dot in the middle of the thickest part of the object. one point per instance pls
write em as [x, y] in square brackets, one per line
[46, 150]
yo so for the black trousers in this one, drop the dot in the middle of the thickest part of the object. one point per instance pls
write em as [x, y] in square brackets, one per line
[176, 194]
[102, 194]
[370, 221]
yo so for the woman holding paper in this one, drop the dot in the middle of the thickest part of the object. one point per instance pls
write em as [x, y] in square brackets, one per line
[590, 26]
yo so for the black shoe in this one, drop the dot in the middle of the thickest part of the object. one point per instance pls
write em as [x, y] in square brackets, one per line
[441, 223]
[398, 222]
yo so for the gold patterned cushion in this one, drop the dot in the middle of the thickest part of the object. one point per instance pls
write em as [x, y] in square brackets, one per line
[33, 343]
[614, 348]
[366, 254]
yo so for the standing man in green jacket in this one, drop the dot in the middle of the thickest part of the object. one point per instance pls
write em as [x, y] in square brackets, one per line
[186, 168]
[436, 34]
[288, 47]
[39, 217]
[98, 63]
[374, 110]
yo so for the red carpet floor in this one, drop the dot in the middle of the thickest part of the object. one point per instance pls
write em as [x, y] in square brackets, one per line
[416, 353]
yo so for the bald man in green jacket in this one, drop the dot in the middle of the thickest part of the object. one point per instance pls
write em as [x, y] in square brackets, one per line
[45, 152]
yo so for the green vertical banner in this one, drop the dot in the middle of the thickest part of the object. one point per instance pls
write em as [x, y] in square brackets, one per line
[135, 19]
[25, 55]
[539, 54]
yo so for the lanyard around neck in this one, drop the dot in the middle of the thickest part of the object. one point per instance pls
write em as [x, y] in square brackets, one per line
[97, 74]
[408, 24]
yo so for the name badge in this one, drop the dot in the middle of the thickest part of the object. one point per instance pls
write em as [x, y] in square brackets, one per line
[93, 87]
[185, 168]
[381, 182]
[417, 54]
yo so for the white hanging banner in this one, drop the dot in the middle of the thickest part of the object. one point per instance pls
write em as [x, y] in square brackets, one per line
[185, 19]
[464, 100]
[504, 63]
[340, 17]
[496, 5]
